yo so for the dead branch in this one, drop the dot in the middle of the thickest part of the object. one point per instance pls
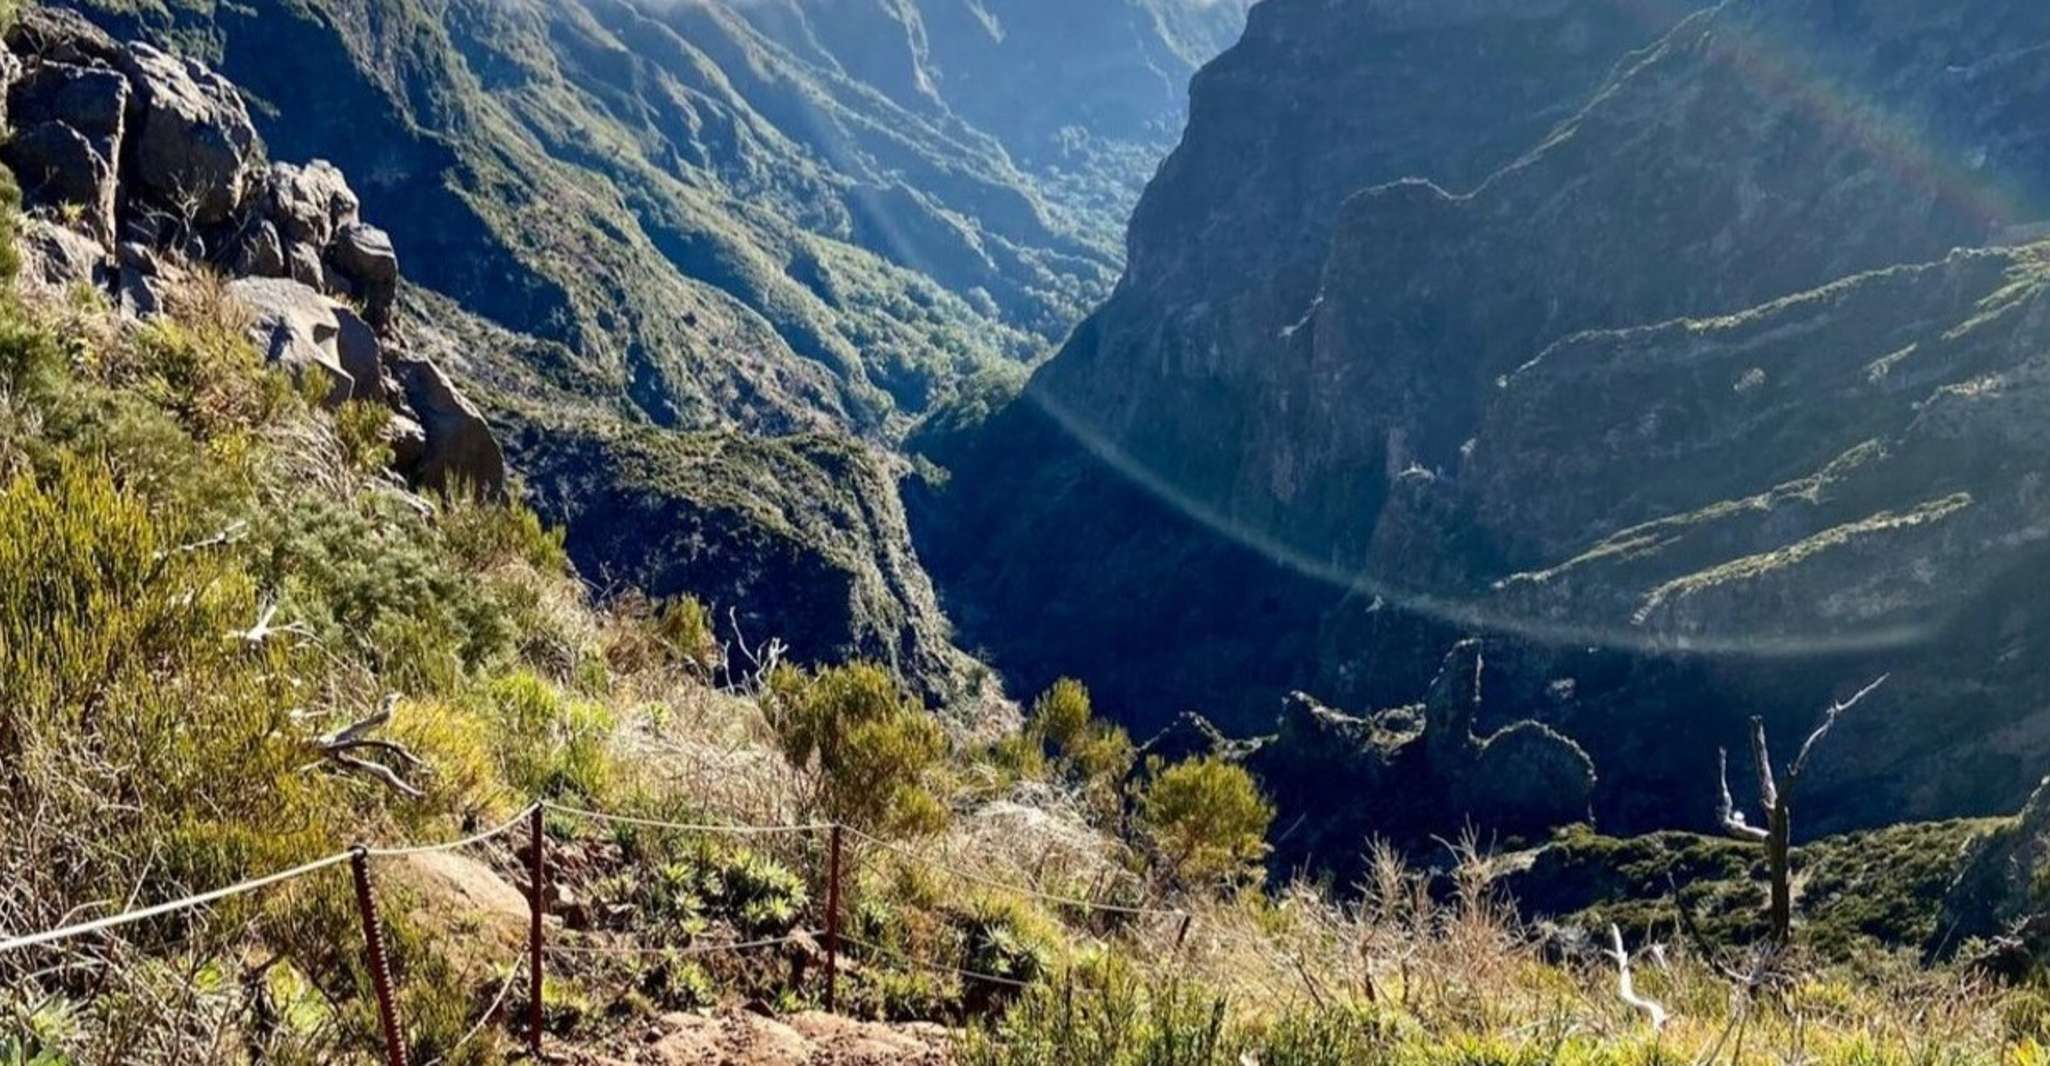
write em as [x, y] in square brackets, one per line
[1727, 814]
[342, 745]
[1626, 987]
[1835, 711]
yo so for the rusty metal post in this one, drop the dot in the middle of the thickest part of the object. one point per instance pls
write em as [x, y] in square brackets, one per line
[380, 965]
[833, 922]
[537, 906]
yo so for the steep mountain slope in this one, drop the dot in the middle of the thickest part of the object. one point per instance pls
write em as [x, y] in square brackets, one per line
[761, 219]
[758, 215]
[1131, 438]
[1809, 481]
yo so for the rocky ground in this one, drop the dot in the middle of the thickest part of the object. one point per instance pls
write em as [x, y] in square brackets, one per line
[746, 1038]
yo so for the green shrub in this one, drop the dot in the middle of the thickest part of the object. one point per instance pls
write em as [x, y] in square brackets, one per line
[1094, 754]
[1062, 714]
[362, 426]
[688, 634]
[865, 748]
[132, 724]
[483, 535]
[549, 744]
[1205, 819]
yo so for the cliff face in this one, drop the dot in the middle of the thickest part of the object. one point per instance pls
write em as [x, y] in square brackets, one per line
[1448, 406]
[1080, 529]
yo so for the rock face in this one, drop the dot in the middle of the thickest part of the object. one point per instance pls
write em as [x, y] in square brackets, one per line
[194, 140]
[1665, 376]
[140, 165]
[1105, 490]
[1412, 772]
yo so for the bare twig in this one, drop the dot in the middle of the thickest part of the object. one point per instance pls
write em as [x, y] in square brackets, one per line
[1626, 988]
[1835, 711]
[342, 745]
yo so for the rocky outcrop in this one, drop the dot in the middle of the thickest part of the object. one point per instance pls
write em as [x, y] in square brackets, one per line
[1997, 911]
[139, 166]
[1408, 773]
[194, 141]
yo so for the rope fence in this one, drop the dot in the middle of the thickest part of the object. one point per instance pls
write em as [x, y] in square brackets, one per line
[360, 857]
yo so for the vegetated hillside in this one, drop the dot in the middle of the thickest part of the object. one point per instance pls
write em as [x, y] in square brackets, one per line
[796, 539]
[757, 219]
[771, 216]
[263, 596]
[1462, 416]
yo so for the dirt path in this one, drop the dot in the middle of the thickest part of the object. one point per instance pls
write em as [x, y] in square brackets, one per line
[748, 1039]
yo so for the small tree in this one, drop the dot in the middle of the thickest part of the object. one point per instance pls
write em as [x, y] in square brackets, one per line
[1206, 819]
[864, 748]
[1777, 833]
[1095, 754]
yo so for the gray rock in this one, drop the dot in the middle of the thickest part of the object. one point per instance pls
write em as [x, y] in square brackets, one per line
[139, 294]
[262, 253]
[361, 354]
[298, 328]
[71, 121]
[10, 70]
[58, 166]
[364, 253]
[460, 450]
[303, 265]
[91, 100]
[310, 203]
[408, 440]
[55, 256]
[55, 34]
[196, 138]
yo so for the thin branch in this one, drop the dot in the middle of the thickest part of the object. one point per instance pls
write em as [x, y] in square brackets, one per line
[1626, 988]
[341, 745]
[1836, 711]
[1768, 791]
[379, 771]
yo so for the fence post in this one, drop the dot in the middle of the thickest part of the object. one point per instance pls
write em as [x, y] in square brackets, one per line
[380, 966]
[833, 922]
[537, 907]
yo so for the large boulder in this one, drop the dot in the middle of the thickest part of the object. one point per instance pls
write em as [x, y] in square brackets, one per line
[66, 153]
[364, 255]
[55, 256]
[60, 35]
[91, 100]
[460, 451]
[301, 330]
[309, 204]
[261, 252]
[196, 140]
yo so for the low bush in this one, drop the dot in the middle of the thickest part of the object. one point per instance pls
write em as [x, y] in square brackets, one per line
[866, 750]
